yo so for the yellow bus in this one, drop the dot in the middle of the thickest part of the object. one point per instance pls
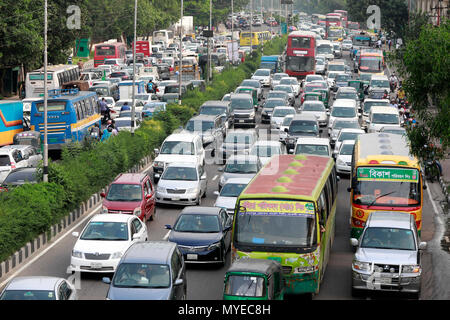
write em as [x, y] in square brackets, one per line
[247, 39]
[264, 36]
[287, 213]
[384, 177]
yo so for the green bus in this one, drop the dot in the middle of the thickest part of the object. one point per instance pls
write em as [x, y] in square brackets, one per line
[287, 214]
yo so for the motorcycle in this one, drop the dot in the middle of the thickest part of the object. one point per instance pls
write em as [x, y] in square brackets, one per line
[432, 168]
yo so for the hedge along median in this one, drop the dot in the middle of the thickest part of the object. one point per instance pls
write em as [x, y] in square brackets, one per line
[84, 170]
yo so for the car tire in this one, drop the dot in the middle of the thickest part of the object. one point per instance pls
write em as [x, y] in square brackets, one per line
[199, 201]
[153, 216]
[224, 256]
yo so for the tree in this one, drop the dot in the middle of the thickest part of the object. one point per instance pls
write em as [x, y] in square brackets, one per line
[424, 65]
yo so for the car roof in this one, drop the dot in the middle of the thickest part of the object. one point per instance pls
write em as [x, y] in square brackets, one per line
[242, 131]
[182, 164]
[393, 219]
[351, 130]
[201, 210]
[185, 137]
[242, 157]
[383, 109]
[283, 107]
[344, 103]
[347, 89]
[241, 96]
[216, 103]
[379, 77]
[33, 283]
[319, 141]
[238, 181]
[348, 142]
[112, 217]
[131, 178]
[149, 252]
[305, 116]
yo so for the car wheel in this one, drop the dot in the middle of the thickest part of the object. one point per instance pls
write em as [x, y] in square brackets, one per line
[153, 216]
[199, 201]
[144, 219]
[224, 257]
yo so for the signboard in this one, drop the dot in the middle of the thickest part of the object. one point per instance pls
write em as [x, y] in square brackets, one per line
[276, 207]
[208, 33]
[388, 174]
[283, 28]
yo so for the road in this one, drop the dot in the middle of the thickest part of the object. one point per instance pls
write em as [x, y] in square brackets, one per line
[206, 282]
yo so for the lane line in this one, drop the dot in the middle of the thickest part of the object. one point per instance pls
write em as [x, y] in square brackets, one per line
[215, 177]
[166, 236]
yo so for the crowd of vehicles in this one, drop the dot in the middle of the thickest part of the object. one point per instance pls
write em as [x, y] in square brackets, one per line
[276, 203]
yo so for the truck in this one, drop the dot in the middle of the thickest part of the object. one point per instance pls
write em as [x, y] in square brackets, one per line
[270, 62]
[11, 115]
[188, 25]
[126, 88]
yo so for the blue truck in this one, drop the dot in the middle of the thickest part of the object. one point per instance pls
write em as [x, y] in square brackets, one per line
[270, 62]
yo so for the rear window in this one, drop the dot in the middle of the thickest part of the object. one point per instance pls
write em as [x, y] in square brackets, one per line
[4, 160]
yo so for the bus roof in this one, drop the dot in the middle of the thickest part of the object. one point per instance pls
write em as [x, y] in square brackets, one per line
[73, 95]
[379, 147]
[290, 176]
[301, 33]
[57, 67]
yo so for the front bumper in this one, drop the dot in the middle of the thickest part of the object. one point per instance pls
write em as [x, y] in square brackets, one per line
[245, 121]
[201, 254]
[181, 199]
[386, 282]
[92, 266]
[346, 169]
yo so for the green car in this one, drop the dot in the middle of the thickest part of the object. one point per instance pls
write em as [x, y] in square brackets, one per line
[324, 96]
[250, 90]
[254, 279]
[313, 96]
[359, 86]
[365, 78]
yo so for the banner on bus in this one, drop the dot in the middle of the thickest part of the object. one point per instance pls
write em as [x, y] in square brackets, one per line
[388, 174]
[277, 207]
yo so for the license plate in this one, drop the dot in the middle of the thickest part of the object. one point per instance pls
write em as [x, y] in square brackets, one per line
[240, 121]
[175, 198]
[191, 256]
[96, 265]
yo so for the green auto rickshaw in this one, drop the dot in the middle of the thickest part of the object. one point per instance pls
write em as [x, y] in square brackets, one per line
[254, 279]
[359, 86]
[313, 96]
[324, 96]
[250, 90]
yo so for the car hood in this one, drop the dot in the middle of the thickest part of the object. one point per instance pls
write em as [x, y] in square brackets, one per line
[227, 175]
[225, 202]
[101, 246]
[177, 184]
[388, 256]
[235, 146]
[121, 205]
[116, 293]
[169, 158]
[194, 238]
[243, 111]
[320, 115]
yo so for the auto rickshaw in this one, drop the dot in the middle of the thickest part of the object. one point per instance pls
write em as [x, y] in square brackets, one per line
[254, 279]
[313, 96]
[29, 138]
[324, 96]
[250, 90]
[359, 86]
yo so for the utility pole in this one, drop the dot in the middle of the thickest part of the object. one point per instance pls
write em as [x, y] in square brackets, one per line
[180, 68]
[133, 106]
[251, 25]
[45, 166]
[232, 32]
[209, 42]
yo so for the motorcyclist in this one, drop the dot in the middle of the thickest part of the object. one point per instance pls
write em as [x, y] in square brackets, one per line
[95, 131]
[104, 110]
[393, 80]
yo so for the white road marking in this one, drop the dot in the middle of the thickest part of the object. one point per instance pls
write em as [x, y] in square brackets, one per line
[166, 236]
[215, 177]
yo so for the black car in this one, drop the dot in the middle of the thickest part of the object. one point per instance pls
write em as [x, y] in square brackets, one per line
[203, 234]
[18, 177]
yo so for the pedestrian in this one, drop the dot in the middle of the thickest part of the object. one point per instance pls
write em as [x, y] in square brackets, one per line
[106, 134]
[379, 43]
[390, 44]
[125, 107]
[95, 132]
[150, 86]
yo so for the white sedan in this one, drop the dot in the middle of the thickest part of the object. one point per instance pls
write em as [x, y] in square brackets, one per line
[104, 240]
[344, 157]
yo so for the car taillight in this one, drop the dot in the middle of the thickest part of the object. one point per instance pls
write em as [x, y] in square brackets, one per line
[13, 165]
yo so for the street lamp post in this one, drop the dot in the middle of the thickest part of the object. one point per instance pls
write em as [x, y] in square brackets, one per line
[45, 165]
[133, 107]
[180, 67]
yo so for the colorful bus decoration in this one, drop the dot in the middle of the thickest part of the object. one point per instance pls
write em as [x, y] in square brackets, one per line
[11, 120]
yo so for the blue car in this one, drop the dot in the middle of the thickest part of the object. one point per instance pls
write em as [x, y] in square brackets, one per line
[152, 108]
[153, 270]
[203, 234]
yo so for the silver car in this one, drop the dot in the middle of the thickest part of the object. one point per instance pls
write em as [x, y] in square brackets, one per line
[182, 183]
[39, 288]
[239, 166]
[388, 255]
[229, 193]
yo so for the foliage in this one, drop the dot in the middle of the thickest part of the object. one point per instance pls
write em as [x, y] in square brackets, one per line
[320, 6]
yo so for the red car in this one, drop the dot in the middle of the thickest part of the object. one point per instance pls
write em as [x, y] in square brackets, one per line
[131, 193]
[309, 88]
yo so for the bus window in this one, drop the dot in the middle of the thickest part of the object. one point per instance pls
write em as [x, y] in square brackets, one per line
[328, 197]
[77, 110]
[323, 212]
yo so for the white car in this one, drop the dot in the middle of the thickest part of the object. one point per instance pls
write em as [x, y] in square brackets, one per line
[347, 45]
[380, 116]
[231, 190]
[277, 77]
[346, 134]
[265, 149]
[139, 105]
[10, 159]
[314, 146]
[162, 85]
[146, 97]
[320, 66]
[341, 124]
[345, 109]
[104, 240]
[124, 123]
[312, 77]
[294, 84]
[285, 125]
[278, 115]
[316, 108]
[344, 157]
[263, 76]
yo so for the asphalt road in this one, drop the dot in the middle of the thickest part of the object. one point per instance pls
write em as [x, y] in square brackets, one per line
[206, 282]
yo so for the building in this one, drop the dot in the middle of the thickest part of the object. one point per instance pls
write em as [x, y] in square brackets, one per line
[438, 9]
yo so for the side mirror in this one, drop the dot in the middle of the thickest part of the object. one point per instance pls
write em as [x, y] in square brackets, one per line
[286, 130]
[213, 152]
[354, 242]
[220, 169]
[216, 193]
[203, 177]
[106, 280]
[75, 234]
[136, 236]
[178, 282]
[103, 195]
[156, 151]
[422, 246]
[168, 226]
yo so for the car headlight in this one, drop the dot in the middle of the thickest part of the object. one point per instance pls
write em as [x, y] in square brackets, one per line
[308, 269]
[411, 268]
[361, 265]
[104, 209]
[222, 180]
[252, 115]
[340, 162]
[116, 255]
[160, 189]
[137, 211]
[214, 246]
[77, 254]
[192, 190]
[159, 164]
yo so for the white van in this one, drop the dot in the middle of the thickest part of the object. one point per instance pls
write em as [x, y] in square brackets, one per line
[314, 146]
[380, 82]
[381, 116]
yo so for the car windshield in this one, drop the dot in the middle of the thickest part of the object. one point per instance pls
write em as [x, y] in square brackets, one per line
[28, 295]
[212, 111]
[279, 76]
[320, 62]
[241, 166]
[336, 67]
[20, 177]
[142, 97]
[314, 149]
[124, 192]
[250, 83]
[122, 122]
[137, 275]
[199, 126]
[287, 89]
[232, 189]
[245, 286]
[313, 107]
[342, 78]
[289, 82]
[385, 118]
[313, 78]
[309, 89]
[242, 104]
[178, 147]
[342, 112]
[379, 83]
[388, 238]
[394, 130]
[276, 95]
[107, 231]
[287, 121]
[303, 126]
[369, 104]
[262, 73]
[239, 138]
[281, 113]
[365, 77]
[346, 95]
[265, 151]
[270, 104]
[324, 49]
[198, 223]
[180, 173]
[348, 136]
[346, 149]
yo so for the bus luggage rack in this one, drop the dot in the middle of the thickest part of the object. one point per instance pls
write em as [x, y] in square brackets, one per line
[62, 92]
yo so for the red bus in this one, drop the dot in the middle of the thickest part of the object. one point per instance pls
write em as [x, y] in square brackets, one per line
[353, 25]
[104, 51]
[143, 46]
[300, 54]
[332, 20]
[344, 16]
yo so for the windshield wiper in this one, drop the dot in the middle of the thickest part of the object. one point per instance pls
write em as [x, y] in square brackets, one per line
[380, 196]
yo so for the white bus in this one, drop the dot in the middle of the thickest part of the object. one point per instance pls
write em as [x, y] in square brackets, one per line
[163, 35]
[57, 75]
